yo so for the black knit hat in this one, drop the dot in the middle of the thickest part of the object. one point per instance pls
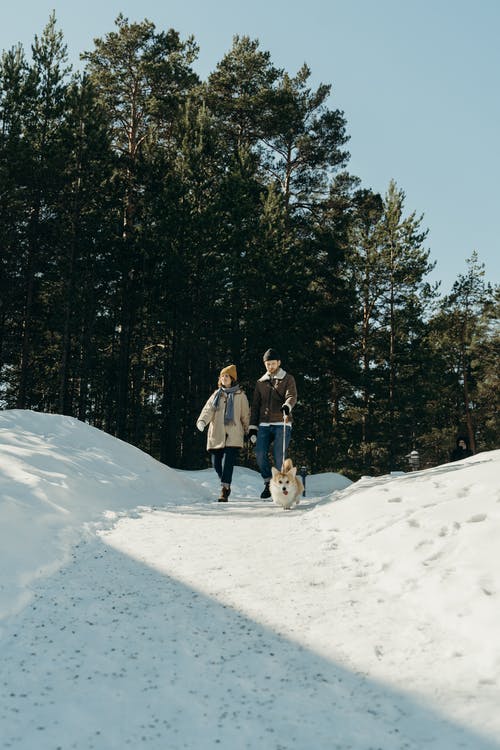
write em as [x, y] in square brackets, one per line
[271, 354]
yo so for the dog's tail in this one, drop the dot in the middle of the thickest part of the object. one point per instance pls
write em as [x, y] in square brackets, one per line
[287, 465]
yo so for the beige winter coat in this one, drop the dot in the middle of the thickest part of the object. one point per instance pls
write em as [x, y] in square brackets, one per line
[221, 435]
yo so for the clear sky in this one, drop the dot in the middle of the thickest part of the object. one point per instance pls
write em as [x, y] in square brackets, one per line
[417, 80]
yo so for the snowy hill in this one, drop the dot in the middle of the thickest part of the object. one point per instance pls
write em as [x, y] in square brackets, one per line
[136, 611]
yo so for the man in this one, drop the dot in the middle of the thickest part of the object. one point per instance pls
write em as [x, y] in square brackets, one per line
[274, 397]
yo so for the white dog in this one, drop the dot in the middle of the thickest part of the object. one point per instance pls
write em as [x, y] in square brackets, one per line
[286, 487]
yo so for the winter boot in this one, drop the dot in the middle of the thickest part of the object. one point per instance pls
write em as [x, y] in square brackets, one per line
[266, 492]
[224, 494]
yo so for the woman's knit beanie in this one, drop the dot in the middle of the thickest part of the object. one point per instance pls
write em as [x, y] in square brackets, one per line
[229, 370]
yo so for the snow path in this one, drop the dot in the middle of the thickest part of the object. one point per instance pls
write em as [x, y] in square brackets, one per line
[328, 595]
[143, 643]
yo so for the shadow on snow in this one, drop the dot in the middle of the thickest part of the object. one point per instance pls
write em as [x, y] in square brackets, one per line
[113, 654]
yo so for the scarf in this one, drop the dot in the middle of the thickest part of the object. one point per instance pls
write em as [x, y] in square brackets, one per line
[229, 413]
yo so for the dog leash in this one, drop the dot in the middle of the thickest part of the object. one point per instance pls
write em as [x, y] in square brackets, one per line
[284, 441]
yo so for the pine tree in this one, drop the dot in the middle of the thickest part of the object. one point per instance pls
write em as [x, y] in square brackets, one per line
[485, 357]
[390, 265]
[239, 94]
[44, 99]
[142, 78]
[14, 168]
[87, 210]
[460, 321]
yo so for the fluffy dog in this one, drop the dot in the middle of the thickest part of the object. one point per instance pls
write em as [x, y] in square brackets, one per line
[285, 486]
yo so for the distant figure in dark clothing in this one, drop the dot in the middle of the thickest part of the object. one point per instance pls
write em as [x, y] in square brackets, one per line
[461, 449]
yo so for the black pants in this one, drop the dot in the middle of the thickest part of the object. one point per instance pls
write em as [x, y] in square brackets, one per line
[223, 461]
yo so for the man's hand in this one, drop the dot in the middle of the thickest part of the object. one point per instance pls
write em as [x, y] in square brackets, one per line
[252, 435]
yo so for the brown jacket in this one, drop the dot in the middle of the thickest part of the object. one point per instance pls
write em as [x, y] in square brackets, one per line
[269, 396]
[221, 435]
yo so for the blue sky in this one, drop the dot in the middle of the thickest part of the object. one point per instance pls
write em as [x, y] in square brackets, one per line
[418, 81]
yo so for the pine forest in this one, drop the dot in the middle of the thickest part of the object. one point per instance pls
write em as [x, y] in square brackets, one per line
[155, 227]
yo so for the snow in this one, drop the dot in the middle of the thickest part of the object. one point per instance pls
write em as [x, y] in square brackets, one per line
[136, 611]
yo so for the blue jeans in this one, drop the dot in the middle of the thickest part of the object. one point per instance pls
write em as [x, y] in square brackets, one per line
[265, 436]
[223, 461]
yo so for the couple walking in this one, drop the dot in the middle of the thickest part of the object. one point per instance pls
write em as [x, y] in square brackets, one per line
[230, 420]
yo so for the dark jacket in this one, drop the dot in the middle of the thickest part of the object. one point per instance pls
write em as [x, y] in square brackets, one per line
[459, 453]
[269, 396]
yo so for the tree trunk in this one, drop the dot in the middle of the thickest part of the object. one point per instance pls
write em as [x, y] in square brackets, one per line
[468, 415]
[23, 398]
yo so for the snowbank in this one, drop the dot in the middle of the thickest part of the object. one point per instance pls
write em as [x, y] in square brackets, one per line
[365, 618]
[57, 473]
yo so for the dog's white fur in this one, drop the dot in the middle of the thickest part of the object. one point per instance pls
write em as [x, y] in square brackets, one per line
[285, 486]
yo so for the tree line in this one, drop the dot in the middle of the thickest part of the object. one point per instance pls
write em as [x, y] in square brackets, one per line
[155, 227]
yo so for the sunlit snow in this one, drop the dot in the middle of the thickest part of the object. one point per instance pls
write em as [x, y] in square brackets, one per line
[136, 611]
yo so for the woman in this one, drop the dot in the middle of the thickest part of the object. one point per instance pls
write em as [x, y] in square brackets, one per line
[227, 414]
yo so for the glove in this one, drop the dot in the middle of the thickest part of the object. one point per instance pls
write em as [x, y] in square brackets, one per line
[285, 409]
[252, 435]
[200, 425]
